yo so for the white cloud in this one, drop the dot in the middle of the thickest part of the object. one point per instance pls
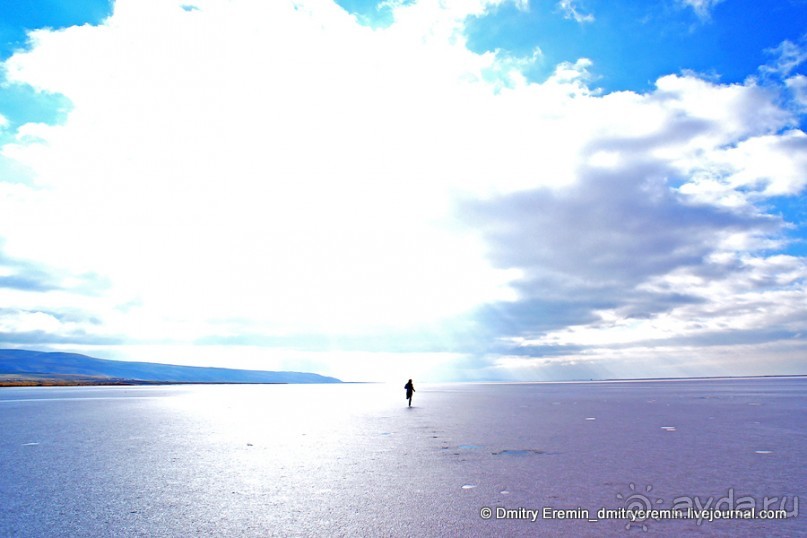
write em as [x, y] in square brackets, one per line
[797, 84]
[571, 11]
[703, 8]
[257, 161]
[29, 322]
[789, 56]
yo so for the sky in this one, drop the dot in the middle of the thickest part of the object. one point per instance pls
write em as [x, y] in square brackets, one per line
[475, 190]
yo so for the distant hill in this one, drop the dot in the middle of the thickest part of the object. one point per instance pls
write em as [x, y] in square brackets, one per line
[25, 364]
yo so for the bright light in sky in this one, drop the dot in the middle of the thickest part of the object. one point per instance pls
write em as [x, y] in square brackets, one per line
[372, 190]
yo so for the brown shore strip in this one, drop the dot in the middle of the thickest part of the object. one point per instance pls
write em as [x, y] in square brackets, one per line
[68, 380]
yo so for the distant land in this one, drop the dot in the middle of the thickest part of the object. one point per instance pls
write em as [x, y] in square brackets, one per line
[19, 367]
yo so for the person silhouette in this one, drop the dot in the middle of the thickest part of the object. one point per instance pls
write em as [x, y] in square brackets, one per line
[410, 388]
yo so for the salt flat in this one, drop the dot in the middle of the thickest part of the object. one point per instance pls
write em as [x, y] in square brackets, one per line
[353, 460]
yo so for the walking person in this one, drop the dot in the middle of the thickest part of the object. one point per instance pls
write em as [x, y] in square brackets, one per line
[410, 388]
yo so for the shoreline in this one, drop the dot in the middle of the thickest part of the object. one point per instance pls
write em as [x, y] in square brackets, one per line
[71, 380]
[26, 381]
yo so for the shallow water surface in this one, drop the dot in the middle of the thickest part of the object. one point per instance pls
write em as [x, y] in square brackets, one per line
[354, 460]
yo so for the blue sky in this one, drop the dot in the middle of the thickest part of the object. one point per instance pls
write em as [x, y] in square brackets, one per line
[631, 43]
[477, 190]
[18, 103]
[19, 17]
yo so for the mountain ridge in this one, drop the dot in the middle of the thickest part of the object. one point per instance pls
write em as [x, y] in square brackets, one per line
[57, 365]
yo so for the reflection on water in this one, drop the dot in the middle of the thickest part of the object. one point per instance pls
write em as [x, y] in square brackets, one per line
[271, 415]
